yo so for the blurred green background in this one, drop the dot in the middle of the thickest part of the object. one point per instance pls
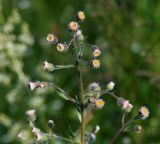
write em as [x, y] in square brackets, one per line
[127, 32]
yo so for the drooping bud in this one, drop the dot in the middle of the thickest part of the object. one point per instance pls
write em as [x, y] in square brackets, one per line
[36, 130]
[124, 104]
[40, 137]
[33, 85]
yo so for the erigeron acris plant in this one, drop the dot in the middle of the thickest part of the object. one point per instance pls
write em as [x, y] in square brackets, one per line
[86, 99]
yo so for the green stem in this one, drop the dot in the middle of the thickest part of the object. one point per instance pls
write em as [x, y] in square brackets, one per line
[81, 93]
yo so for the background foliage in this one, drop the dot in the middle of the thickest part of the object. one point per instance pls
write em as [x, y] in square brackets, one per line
[126, 31]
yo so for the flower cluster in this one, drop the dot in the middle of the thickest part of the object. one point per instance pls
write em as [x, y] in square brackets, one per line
[89, 98]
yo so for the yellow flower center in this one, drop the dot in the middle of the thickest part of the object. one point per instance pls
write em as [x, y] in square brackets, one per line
[50, 37]
[96, 63]
[99, 103]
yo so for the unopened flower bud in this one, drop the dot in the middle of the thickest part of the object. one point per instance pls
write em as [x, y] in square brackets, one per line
[51, 124]
[62, 47]
[41, 137]
[31, 114]
[143, 112]
[97, 129]
[48, 66]
[137, 128]
[129, 107]
[36, 130]
[124, 104]
[110, 86]
[79, 36]
[33, 85]
[21, 136]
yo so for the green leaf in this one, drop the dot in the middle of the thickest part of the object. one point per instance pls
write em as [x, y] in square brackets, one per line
[63, 95]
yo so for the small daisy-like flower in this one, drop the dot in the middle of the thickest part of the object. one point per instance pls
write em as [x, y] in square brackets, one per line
[99, 103]
[96, 63]
[31, 114]
[51, 38]
[81, 16]
[62, 47]
[110, 86]
[143, 112]
[95, 50]
[48, 66]
[73, 26]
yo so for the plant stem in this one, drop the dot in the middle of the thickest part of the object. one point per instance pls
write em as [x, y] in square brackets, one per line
[123, 126]
[82, 107]
[81, 93]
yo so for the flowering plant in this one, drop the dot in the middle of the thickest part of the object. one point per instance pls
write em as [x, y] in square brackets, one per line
[87, 99]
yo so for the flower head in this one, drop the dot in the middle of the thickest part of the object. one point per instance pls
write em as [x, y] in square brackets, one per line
[99, 103]
[73, 26]
[81, 16]
[95, 63]
[48, 66]
[51, 38]
[110, 86]
[143, 112]
[95, 50]
[62, 47]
